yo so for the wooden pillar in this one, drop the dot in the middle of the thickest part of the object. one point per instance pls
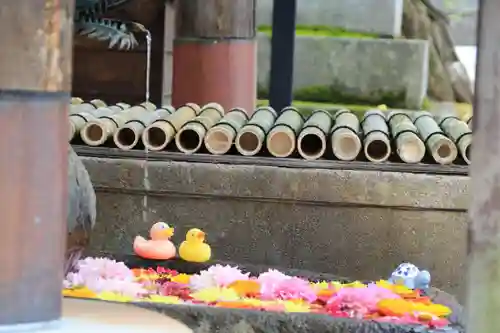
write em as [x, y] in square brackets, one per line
[35, 75]
[215, 53]
[483, 299]
[282, 54]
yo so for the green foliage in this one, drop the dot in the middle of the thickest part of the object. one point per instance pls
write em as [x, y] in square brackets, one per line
[114, 31]
[319, 30]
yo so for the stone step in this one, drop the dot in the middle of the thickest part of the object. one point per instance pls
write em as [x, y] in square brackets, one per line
[355, 71]
[381, 17]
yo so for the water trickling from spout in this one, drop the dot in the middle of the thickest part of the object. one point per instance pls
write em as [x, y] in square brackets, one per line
[145, 183]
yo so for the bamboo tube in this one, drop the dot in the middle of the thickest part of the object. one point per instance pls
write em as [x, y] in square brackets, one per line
[377, 146]
[409, 147]
[281, 139]
[220, 138]
[109, 119]
[189, 138]
[458, 131]
[77, 121]
[250, 138]
[129, 135]
[344, 137]
[160, 133]
[98, 103]
[76, 100]
[441, 148]
[311, 142]
[82, 107]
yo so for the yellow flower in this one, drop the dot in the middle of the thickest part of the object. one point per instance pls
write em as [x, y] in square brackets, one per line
[181, 278]
[398, 289]
[162, 299]
[355, 284]
[320, 285]
[79, 293]
[296, 306]
[215, 294]
[115, 297]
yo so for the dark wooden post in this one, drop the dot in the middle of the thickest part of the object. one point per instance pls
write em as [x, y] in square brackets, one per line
[282, 54]
[215, 53]
[483, 301]
[35, 75]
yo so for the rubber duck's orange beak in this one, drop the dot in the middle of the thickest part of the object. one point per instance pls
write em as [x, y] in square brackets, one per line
[162, 233]
[200, 235]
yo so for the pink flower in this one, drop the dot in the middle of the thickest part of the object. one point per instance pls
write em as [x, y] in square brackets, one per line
[217, 276]
[276, 285]
[101, 274]
[358, 301]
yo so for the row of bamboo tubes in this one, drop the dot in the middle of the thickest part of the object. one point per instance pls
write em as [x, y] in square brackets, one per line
[342, 135]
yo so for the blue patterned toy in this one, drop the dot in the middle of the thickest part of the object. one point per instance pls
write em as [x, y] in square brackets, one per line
[410, 276]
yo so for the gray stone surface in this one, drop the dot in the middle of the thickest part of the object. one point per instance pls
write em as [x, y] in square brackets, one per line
[463, 19]
[382, 17]
[367, 70]
[351, 223]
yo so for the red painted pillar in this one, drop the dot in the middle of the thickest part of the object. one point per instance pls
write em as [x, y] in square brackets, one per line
[35, 83]
[215, 53]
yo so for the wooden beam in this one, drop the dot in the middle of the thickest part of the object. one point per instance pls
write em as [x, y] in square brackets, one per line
[282, 54]
[483, 299]
[35, 80]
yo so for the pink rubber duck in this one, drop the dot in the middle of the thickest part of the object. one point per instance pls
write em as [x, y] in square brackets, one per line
[159, 247]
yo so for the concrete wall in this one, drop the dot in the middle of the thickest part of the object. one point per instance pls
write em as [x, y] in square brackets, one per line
[463, 19]
[351, 223]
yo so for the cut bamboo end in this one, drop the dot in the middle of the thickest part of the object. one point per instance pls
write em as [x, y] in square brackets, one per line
[443, 150]
[377, 147]
[249, 140]
[71, 130]
[346, 145]
[190, 138]
[76, 100]
[311, 143]
[157, 136]
[94, 133]
[128, 136]
[410, 148]
[280, 141]
[219, 139]
[465, 148]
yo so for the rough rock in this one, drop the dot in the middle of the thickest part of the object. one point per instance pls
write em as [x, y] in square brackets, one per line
[355, 71]
[381, 17]
[81, 196]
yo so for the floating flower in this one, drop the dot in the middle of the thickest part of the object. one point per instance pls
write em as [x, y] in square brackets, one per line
[101, 274]
[79, 293]
[276, 285]
[246, 288]
[217, 276]
[181, 278]
[401, 307]
[215, 294]
[175, 289]
[359, 301]
[296, 306]
[114, 297]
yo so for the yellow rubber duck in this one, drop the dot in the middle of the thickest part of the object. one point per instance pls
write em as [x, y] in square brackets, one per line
[194, 248]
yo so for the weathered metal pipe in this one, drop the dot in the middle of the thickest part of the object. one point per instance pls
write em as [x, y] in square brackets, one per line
[129, 135]
[441, 148]
[458, 131]
[344, 138]
[160, 133]
[97, 131]
[281, 139]
[220, 137]
[189, 138]
[250, 138]
[312, 139]
[409, 147]
[377, 146]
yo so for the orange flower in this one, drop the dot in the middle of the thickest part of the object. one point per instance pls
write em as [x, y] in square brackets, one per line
[401, 307]
[325, 293]
[79, 293]
[235, 305]
[245, 288]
